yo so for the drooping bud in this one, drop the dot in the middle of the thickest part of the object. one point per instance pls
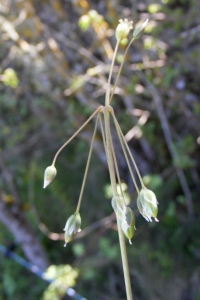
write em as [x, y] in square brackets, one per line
[123, 29]
[49, 175]
[118, 205]
[147, 204]
[72, 227]
[128, 223]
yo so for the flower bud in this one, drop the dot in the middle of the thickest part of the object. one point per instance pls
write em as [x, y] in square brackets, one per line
[147, 204]
[72, 227]
[128, 223]
[123, 29]
[139, 28]
[49, 175]
[118, 204]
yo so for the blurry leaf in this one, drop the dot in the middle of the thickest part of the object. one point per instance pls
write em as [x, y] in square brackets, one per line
[181, 199]
[184, 162]
[108, 191]
[7, 101]
[149, 43]
[154, 8]
[10, 78]
[107, 249]
[9, 285]
[171, 210]
[153, 181]
[164, 261]
[63, 276]
[84, 22]
[78, 249]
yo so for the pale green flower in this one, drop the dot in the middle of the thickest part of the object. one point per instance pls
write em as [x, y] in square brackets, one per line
[147, 204]
[123, 29]
[128, 223]
[118, 204]
[72, 227]
[49, 175]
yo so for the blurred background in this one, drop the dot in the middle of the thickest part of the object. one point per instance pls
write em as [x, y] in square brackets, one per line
[54, 62]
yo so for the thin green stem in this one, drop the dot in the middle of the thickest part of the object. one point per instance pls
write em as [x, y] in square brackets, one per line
[87, 167]
[127, 147]
[114, 189]
[114, 156]
[125, 154]
[120, 69]
[125, 265]
[75, 134]
[110, 75]
[117, 170]
[103, 134]
[109, 151]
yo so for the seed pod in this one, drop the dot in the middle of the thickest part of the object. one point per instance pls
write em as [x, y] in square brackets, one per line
[72, 227]
[147, 204]
[123, 29]
[118, 204]
[128, 223]
[49, 175]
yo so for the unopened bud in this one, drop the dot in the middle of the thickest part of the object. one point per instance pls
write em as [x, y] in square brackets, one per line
[72, 227]
[123, 29]
[147, 204]
[49, 175]
[128, 223]
[118, 204]
[139, 28]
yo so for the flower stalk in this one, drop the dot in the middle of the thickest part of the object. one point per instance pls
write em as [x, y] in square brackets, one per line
[87, 166]
[146, 202]
[114, 190]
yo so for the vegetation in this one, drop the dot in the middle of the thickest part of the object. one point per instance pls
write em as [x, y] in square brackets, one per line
[55, 60]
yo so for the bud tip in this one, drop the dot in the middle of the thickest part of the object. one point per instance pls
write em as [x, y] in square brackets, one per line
[49, 175]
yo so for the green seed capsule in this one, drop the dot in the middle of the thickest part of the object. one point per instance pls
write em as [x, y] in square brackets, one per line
[147, 204]
[72, 227]
[128, 223]
[49, 175]
[118, 205]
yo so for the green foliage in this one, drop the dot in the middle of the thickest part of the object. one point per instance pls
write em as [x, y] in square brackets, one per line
[107, 249]
[9, 78]
[15, 281]
[63, 276]
[154, 8]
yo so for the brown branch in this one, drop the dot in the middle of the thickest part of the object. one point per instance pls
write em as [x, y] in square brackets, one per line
[12, 216]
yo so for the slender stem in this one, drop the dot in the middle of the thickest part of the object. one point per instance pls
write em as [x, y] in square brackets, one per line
[110, 74]
[109, 150]
[114, 189]
[126, 157]
[103, 134]
[126, 271]
[127, 147]
[87, 166]
[117, 170]
[75, 134]
[114, 156]
[120, 69]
